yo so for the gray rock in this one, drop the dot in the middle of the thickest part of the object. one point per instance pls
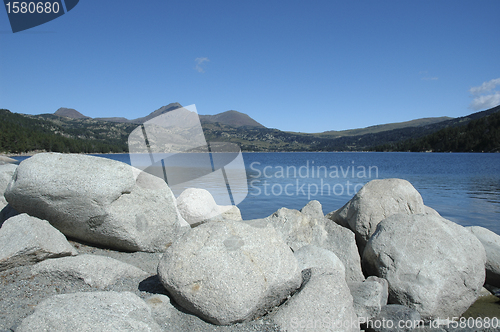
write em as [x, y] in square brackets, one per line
[25, 240]
[230, 212]
[432, 264]
[312, 256]
[91, 311]
[491, 244]
[395, 318]
[369, 296]
[161, 308]
[342, 242]
[4, 160]
[96, 271]
[6, 173]
[431, 211]
[228, 272]
[377, 200]
[323, 303]
[197, 206]
[97, 200]
[313, 210]
[300, 229]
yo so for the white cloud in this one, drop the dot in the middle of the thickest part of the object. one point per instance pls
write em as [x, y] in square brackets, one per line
[199, 62]
[485, 96]
[485, 102]
[485, 87]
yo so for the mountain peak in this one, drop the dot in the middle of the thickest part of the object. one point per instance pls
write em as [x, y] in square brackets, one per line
[70, 113]
[160, 111]
[231, 118]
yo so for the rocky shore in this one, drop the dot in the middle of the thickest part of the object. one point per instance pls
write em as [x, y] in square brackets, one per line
[92, 244]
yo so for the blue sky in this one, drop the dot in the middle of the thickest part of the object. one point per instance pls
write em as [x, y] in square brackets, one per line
[293, 65]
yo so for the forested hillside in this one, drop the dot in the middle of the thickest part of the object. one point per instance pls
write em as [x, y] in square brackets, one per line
[475, 132]
[480, 135]
[19, 134]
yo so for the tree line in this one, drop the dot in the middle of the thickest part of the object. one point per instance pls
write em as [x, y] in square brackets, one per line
[480, 135]
[22, 134]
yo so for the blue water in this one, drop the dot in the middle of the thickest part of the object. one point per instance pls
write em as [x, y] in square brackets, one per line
[462, 187]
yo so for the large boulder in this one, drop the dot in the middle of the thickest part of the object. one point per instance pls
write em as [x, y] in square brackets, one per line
[91, 311]
[96, 271]
[323, 303]
[491, 244]
[299, 229]
[197, 205]
[432, 264]
[97, 200]
[228, 272]
[6, 173]
[377, 200]
[26, 240]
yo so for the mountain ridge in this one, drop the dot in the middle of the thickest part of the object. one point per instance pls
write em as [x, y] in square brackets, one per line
[113, 136]
[231, 117]
[387, 126]
[237, 119]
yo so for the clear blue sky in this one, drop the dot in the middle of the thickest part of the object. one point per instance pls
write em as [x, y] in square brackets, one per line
[306, 66]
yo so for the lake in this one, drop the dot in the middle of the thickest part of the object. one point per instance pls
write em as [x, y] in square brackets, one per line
[462, 187]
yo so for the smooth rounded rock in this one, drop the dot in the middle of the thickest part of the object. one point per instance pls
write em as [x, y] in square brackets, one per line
[94, 270]
[228, 272]
[197, 205]
[91, 311]
[377, 200]
[491, 244]
[299, 229]
[432, 264]
[26, 240]
[97, 200]
[6, 173]
[323, 303]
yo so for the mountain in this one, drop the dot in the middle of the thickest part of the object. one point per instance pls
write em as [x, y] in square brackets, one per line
[385, 127]
[84, 134]
[231, 118]
[70, 113]
[160, 111]
[49, 132]
[373, 141]
[477, 132]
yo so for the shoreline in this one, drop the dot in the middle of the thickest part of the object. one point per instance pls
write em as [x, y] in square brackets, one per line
[32, 153]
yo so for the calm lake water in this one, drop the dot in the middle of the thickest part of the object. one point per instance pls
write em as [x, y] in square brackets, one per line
[462, 187]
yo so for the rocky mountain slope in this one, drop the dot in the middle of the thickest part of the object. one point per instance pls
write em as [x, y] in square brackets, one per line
[230, 126]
